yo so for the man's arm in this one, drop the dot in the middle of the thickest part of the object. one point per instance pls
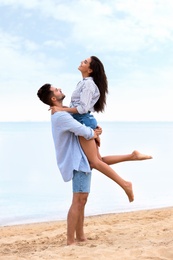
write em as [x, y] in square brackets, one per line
[68, 123]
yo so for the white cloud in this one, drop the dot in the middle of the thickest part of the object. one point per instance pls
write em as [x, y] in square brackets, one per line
[141, 96]
[138, 26]
[22, 57]
[111, 26]
[31, 46]
[16, 3]
[134, 38]
[54, 44]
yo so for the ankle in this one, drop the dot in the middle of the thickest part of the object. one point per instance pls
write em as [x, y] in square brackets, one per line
[70, 242]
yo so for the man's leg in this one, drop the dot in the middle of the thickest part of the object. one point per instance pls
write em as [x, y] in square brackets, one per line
[80, 236]
[75, 219]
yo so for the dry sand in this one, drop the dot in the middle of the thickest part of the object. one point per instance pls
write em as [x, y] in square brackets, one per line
[136, 235]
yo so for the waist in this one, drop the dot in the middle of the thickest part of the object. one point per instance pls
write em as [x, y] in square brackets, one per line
[87, 119]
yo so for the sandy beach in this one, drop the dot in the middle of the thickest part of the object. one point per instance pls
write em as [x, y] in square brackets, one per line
[135, 235]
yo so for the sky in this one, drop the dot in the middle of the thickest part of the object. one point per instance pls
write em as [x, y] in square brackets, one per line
[44, 41]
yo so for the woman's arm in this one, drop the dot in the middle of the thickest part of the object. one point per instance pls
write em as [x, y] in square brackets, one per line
[64, 108]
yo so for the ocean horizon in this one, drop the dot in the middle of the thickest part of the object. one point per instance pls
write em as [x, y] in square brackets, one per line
[32, 189]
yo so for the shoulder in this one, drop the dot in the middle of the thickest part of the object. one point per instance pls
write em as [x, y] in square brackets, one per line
[89, 81]
[60, 116]
[90, 84]
[63, 119]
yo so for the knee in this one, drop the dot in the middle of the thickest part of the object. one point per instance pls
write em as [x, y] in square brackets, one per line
[82, 202]
[95, 163]
[91, 165]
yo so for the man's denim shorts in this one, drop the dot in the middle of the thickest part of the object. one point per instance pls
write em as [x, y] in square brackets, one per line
[81, 181]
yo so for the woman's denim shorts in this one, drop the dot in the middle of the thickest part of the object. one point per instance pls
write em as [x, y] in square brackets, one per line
[86, 119]
[81, 181]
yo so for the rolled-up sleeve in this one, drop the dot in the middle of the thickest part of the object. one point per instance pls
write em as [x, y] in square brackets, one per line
[72, 125]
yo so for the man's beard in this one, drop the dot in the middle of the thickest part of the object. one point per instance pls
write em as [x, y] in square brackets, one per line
[61, 98]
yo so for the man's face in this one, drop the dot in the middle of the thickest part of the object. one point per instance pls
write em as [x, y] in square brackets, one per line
[57, 93]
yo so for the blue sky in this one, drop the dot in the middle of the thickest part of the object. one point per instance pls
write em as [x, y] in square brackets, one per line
[44, 41]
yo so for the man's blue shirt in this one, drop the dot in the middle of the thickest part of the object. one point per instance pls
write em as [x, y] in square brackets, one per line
[69, 154]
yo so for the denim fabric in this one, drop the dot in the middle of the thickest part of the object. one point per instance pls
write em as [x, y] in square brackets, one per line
[81, 181]
[86, 119]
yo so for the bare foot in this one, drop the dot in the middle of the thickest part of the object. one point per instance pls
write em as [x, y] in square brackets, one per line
[139, 156]
[71, 243]
[129, 191]
[77, 241]
[81, 239]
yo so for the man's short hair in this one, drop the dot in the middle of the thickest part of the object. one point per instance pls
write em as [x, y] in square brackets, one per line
[45, 94]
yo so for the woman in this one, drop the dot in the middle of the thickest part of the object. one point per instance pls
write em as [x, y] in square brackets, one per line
[90, 96]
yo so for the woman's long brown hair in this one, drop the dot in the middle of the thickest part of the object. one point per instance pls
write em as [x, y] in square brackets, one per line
[100, 79]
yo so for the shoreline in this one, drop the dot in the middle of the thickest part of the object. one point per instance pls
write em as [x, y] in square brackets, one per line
[48, 220]
[86, 216]
[144, 234]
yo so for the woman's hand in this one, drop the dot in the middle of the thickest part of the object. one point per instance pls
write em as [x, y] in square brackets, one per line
[55, 109]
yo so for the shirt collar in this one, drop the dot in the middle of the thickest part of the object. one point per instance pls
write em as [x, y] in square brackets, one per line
[87, 78]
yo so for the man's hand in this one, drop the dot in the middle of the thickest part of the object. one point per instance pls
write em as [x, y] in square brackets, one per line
[97, 140]
[98, 130]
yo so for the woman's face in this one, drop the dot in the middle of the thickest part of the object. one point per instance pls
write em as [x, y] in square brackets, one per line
[85, 66]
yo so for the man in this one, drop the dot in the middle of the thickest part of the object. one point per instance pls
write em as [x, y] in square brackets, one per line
[71, 159]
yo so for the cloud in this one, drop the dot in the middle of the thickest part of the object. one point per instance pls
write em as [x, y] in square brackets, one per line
[16, 3]
[132, 26]
[54, 44]
[140, 96]
[22, 57]
[43, 41]
[110, 26]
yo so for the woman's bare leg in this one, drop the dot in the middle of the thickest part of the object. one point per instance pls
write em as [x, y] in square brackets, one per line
[90, 149]
[134, 156]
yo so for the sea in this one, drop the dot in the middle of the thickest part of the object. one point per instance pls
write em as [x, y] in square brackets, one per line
[32, 189]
